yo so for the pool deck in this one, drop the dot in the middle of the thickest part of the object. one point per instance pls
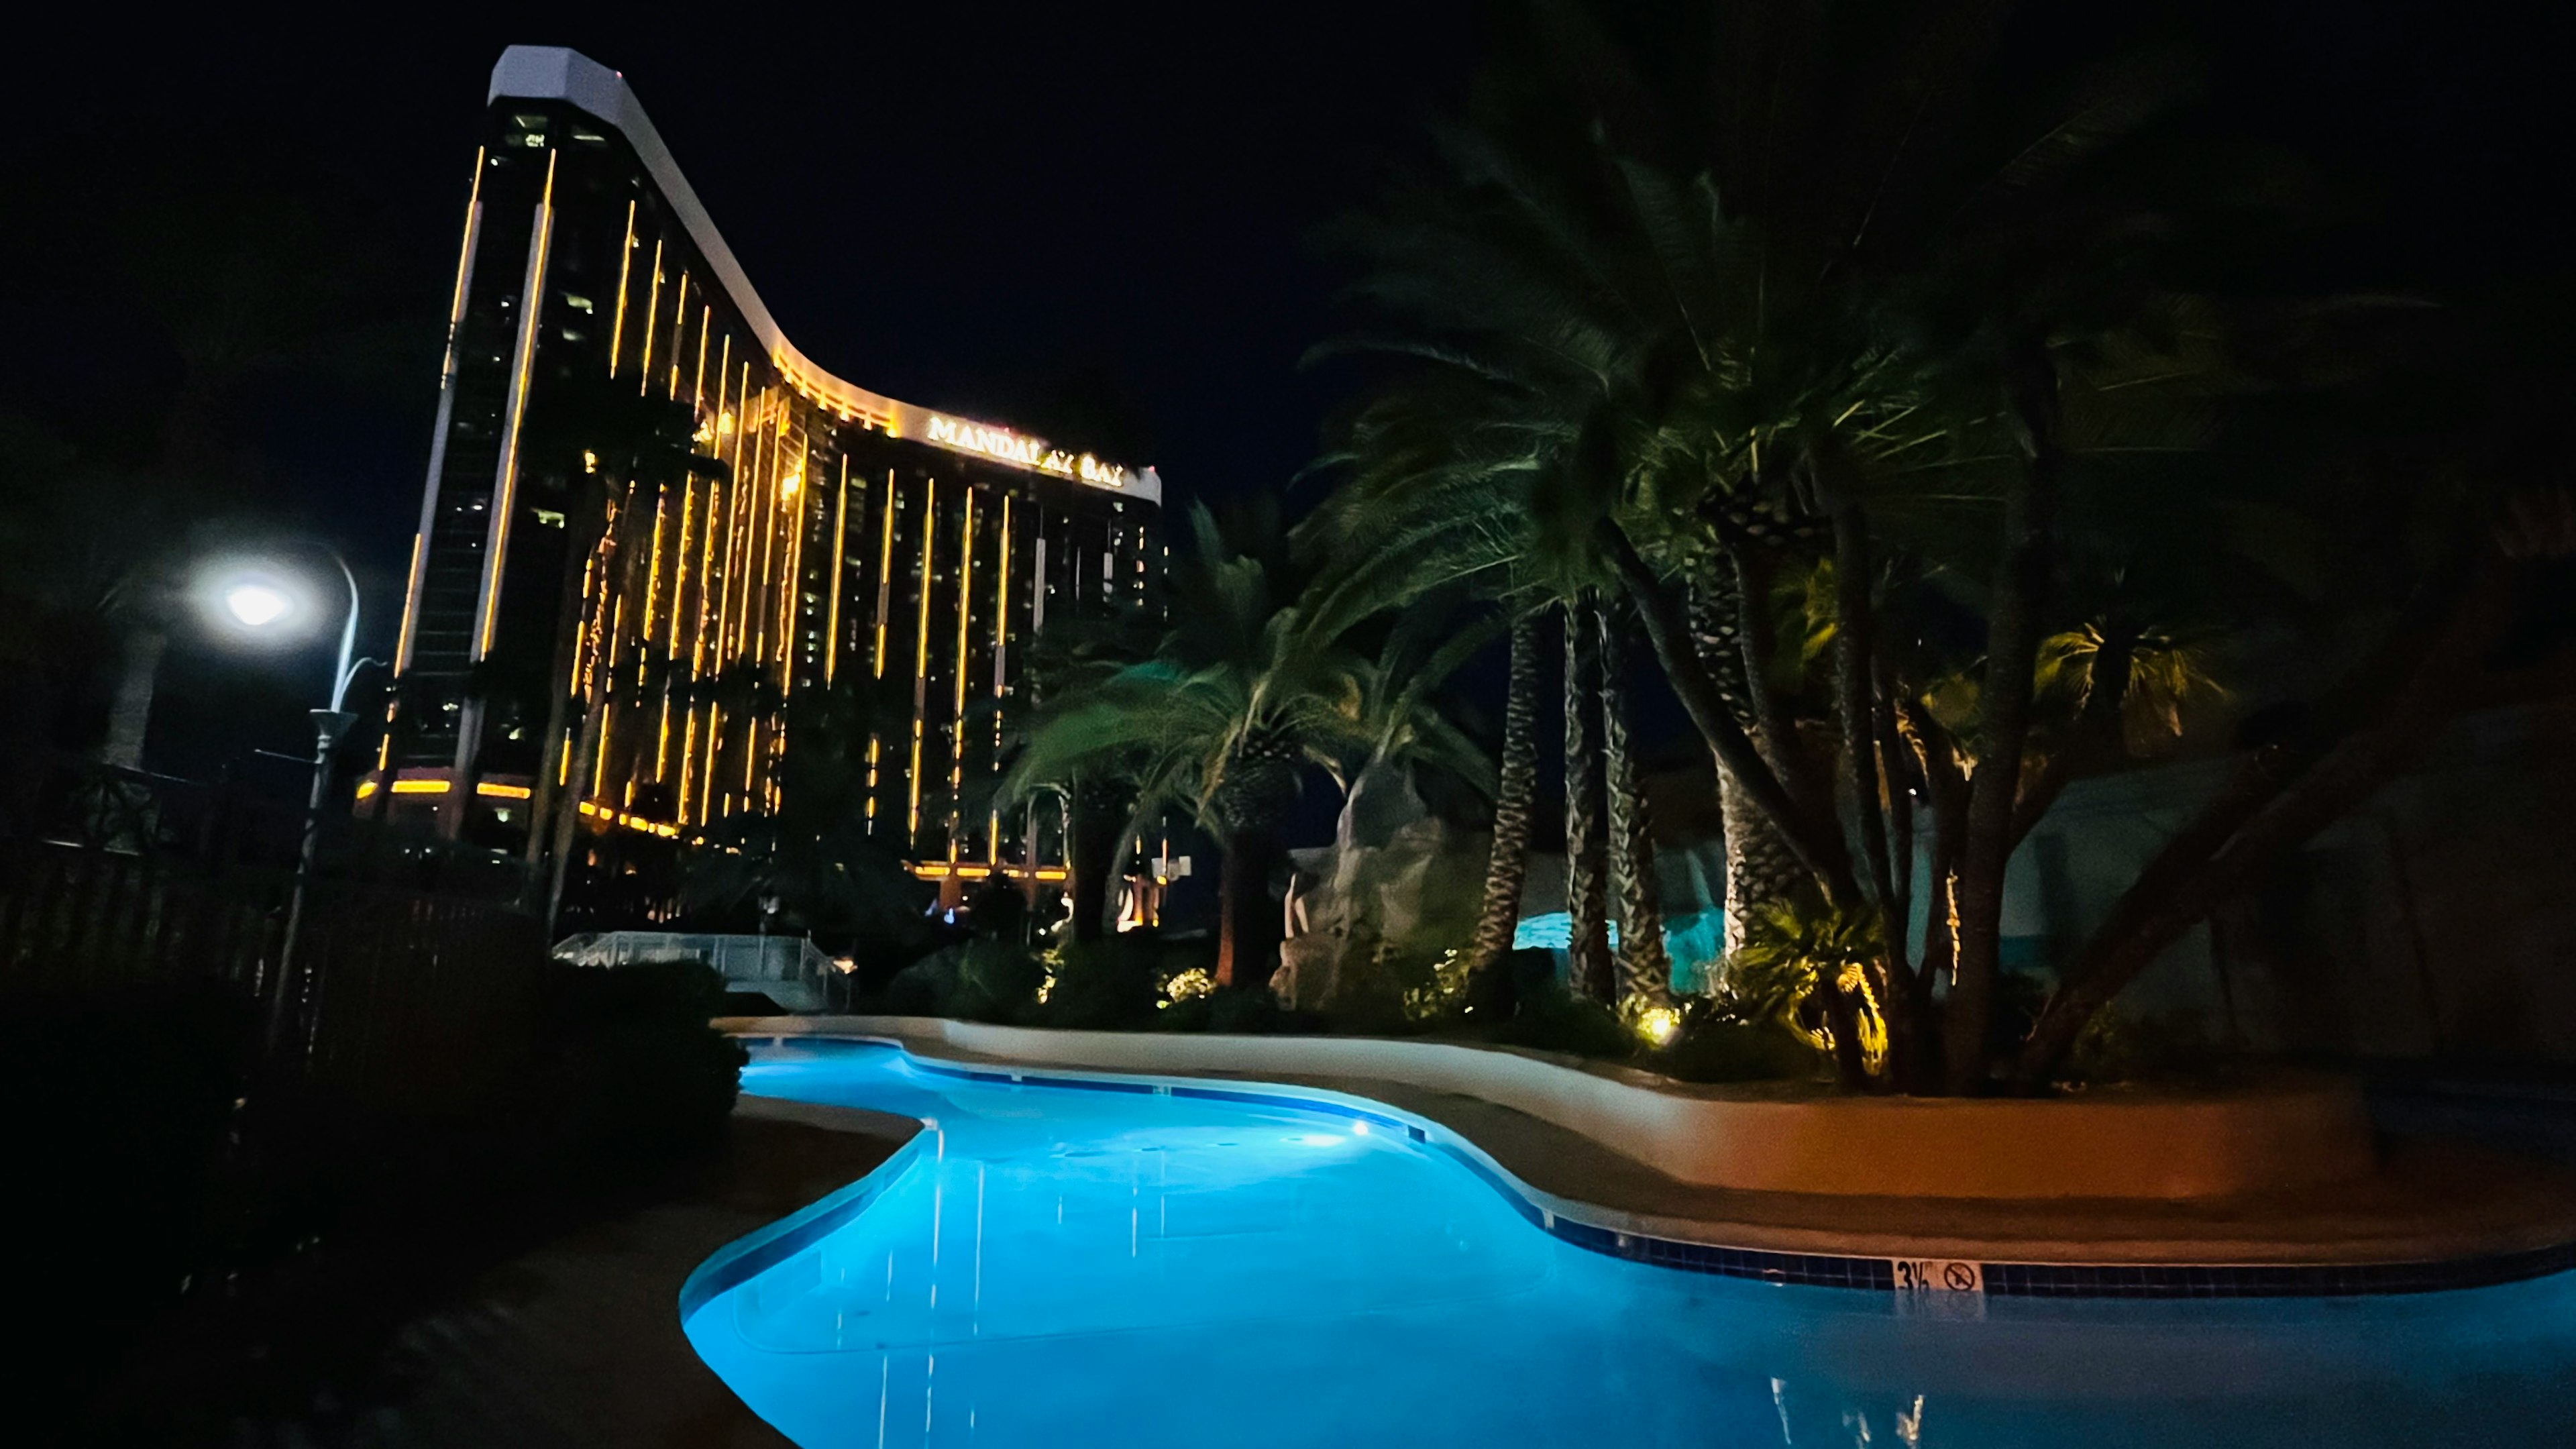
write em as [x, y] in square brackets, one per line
[2430, 1202]
[575, 1342]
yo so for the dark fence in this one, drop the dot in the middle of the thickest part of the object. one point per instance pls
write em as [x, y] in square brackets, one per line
[413, 967]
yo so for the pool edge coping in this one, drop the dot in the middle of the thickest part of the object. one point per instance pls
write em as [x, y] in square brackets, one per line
[1619, 1234]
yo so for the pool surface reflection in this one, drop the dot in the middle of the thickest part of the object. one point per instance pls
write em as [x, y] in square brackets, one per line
[1076, 1268]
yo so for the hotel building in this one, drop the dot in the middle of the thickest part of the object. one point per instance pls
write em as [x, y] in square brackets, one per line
[845, 540]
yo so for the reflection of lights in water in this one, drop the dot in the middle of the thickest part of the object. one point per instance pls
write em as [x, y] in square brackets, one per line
[1316, 1139]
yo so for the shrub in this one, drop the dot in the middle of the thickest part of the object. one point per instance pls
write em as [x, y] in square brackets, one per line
[1712, 1046]
[1236, 1011]
[997, 980]
[928, 986]
[2121, 1045]
[637, 1070]
[1551, 1018]
[1105, 985]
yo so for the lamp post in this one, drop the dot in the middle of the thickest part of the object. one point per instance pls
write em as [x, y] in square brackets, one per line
[262, 603]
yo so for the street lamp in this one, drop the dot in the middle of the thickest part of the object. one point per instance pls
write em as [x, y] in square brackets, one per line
[263, 602]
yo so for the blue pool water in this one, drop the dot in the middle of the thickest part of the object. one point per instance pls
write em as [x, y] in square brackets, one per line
[1069, 1268]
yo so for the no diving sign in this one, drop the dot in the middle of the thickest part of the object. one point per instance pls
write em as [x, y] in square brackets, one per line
[1938, 1277]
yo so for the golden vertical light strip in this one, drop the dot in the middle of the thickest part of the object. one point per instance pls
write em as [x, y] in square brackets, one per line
[792, 496]
[832, 587]
[737, 577]
[718, 500]
[715, 744]
[885, 586]
[416, 577]
[680, 802]
[662, 750]
[885, 573]
[698, 374]
[679, 330]
[532, 297]
[625, 264]
[921, 650]
[652, 316]
[616, 615]
[411, 602]
[755, 621]
[754, 633]
[653, 565]
[1001, 656]
[747, 508]
[724, 369]
[733, 582]
[680, 565]
[957, 715]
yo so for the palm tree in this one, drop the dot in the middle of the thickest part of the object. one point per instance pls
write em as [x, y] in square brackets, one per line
[607, 454]
[1507, 867]
[1588, 963]
[1241, 694]
[1645, 968]
[1728, 394]
[1097, 791]
[813, 856]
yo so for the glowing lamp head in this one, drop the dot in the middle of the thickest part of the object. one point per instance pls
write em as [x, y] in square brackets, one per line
[257, 606]
[255, 602]
[1658, 1024]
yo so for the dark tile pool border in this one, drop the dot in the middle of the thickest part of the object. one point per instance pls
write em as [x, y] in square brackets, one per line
[748, 1257]
[1814, 1270]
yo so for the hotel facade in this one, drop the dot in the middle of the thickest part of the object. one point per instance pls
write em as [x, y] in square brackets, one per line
[835, 540]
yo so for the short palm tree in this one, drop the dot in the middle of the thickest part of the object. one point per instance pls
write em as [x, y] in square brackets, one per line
[1240, 695]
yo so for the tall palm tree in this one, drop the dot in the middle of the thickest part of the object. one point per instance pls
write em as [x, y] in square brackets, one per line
[605, 455]
[1847, 307]
[1645, 967]
[1588, 962]
[1507, 866]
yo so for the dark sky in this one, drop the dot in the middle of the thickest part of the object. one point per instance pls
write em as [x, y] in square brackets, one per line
[963, 205]
[954, 205]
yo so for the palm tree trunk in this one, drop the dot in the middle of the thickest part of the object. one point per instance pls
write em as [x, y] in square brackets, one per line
[543, 788]
[1645, 968]
[614, 563]
[2013, 629]
[1761, 868]
[1249, 922]
[568, 815]
[1586, 906]
[1094, 824]
[1507, 869]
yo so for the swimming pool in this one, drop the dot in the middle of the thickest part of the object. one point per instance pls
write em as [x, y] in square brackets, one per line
[1087, 1268]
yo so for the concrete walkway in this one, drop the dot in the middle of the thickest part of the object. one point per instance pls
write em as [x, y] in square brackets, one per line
[576, 1342]
[2431, 1201]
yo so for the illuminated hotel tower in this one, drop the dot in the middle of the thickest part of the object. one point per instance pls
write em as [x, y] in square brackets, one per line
[851, 536]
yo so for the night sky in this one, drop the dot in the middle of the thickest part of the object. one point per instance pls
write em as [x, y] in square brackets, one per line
[993, 209]
[985, 209]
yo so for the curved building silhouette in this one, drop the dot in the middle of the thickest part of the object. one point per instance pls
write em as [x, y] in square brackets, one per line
[651, 523]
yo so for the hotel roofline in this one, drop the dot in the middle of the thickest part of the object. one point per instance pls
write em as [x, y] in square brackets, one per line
[553, 73]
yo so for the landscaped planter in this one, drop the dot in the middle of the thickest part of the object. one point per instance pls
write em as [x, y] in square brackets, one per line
[2287, 1133]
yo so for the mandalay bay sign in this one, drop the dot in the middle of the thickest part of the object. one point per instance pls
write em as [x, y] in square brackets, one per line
[1010, 447]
